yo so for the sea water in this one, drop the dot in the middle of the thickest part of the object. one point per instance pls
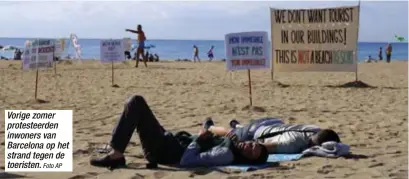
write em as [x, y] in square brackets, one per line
[183, 49]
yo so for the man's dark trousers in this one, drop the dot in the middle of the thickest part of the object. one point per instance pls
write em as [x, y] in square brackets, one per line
[158, 146]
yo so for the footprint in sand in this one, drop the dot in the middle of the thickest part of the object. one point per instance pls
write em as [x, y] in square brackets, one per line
[102, 134]
[326, 169]
[83, 176]
[138, 176]
[159, 174]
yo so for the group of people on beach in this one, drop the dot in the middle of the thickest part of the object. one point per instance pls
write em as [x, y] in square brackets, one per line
[141, 38]
[213, 145]
[210, 54]
[388, 52]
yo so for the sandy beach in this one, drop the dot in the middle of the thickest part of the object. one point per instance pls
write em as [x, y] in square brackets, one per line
[373, 121]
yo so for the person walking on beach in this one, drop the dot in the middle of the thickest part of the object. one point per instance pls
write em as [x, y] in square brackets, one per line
[141, 44]
[388, 52]
[196, 54]
[210, 54]
[380, 54]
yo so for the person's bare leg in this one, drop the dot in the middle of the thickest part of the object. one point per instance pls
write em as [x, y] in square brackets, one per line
[145, 59]
[137, 58]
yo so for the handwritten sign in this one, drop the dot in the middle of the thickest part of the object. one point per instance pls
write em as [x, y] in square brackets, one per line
[39, 55]
[315, 39]
[247, 50]
[112, 51]
[127, 44]
[59, 47]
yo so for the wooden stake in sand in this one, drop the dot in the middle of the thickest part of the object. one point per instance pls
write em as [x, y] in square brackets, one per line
[55, 62]
[357, 37]
[36, 61]
[35, 93]
[250, 96]
[112, 68]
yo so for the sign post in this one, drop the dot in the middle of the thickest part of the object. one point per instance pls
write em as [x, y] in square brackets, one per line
[357, 37]
[38, 56]
[250, 96]
[112, 51]
[246, 51]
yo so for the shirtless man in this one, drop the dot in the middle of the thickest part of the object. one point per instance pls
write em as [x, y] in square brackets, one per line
[388, 52]
[141, 44]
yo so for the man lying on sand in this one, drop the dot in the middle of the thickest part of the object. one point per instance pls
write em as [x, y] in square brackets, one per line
[276, 136]
[161, 147]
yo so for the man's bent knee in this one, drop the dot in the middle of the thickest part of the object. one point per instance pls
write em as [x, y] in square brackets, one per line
[135, 99]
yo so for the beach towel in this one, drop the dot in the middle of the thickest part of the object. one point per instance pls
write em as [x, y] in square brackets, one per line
[327, 149]
[272, 159]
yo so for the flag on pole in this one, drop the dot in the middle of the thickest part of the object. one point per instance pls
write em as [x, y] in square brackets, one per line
[399, 38]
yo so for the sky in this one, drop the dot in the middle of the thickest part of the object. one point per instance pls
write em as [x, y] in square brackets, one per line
[193, 20]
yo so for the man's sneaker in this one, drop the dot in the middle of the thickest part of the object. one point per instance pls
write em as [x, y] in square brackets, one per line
[108, 162]
[208, 122]
[233, 123]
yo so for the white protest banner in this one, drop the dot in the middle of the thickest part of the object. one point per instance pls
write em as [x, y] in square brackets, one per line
[43, 58]
[76, 45]
[247, 50]
[112, 51]
[26, 56]
[38, 140]
[59, 47]
[127, 44]
[314, 39]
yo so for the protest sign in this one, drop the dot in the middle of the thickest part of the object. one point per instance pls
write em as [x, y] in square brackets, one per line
[26, 56]
[315, 39]
[127, 44]
[112, 51]
[38, 55]
[77, 47]
[247, 50]
[59, 47]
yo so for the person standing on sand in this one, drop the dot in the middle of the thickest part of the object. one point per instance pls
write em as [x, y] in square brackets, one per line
[196, 54]
[141, 44]
[388, 52]
[210, 54]
[380, 54]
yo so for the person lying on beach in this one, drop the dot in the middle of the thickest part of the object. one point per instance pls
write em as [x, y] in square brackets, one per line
[276, 136]
[141, 44]
[162, 147]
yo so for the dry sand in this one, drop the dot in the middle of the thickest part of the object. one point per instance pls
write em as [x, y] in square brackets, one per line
[372, 120]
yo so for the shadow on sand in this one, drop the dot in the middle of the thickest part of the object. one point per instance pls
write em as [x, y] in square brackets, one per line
[353, 84]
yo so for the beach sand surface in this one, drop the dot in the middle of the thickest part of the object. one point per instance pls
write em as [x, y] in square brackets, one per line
[373, 121]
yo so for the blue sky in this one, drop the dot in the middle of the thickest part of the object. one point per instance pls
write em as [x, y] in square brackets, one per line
[379, 21]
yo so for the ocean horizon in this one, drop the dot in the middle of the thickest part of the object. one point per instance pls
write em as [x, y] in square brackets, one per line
[169, 49]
